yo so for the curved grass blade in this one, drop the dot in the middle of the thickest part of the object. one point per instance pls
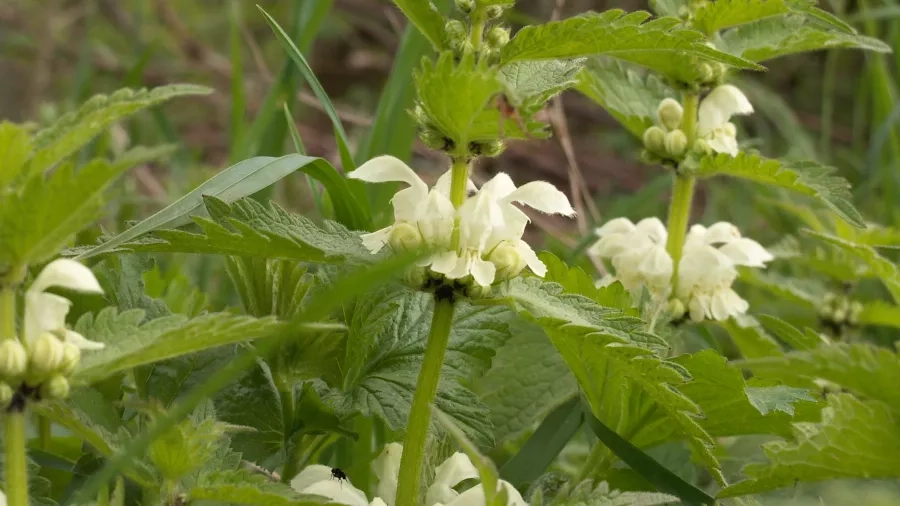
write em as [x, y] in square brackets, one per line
[664, 480]
[239, 181]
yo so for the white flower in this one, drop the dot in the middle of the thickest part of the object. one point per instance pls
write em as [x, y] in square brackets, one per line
[707, 270]
[491, 228]
[715, 110]
[317, 479]
[638, 253]
[46, 312]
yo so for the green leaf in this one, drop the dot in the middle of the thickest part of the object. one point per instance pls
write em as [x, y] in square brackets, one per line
[75, 129]
[268, 286]
[880, 266]
[130, 343]
[714, 16]
[629, 96]
[879, 312]
[241, 487]
[662, 44]
[385, 344]
[248, 228]
[806, 177]
[751, 339]
[527, 381]
[615, 362]
[790, 34]
[40, 217]
[799, 340]
[861, 368]
[664, 480]
[425, 16]
[529, 84]
[455, 97]
[188, 446]
[15, 148]
[241, 180]
[729, 408]
[575, 280]
[856, 439]
[587, 494]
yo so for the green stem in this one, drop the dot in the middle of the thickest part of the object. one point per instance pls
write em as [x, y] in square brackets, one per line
[691, 103]
[7, 313]
[45, 432]
[679, 217]
[477, 30]
[16, 484]
[459, 178]
[420, 413]
[286, 395]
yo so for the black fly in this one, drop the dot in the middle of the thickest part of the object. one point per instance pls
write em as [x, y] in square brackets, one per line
[339, 475]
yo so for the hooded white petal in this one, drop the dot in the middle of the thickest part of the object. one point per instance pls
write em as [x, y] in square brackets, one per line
[475, 496]
[316, 479]
[46, 312]
[67, 274]
[383, 169]
[719, 106]
[638, 253]
[542, 196]
[444, 182]
[449, 474]
[81, 342]
[387, 469]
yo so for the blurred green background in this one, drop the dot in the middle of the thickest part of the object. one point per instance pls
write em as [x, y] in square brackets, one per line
[837, 107]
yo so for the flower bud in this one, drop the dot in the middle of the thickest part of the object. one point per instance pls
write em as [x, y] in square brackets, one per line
[676, 143]
[71, 358]
[489, 148]
[649, 157]
[839, 315]
[46, 354]
[415, 277]
[477, 292]
[465, 6]
[456, 33]
[507, 259]
[494, 11]
[655, 139]
[57, 387]
[706, 72]
[6, 395]
[435, 140]
[670, 113]
[418, 114]
[701, 147]
[404, 237]
[676, 309]
[13, 358]
[498, 37]
[856, 308]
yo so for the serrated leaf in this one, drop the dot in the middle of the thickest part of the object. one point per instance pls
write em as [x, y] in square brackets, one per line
[879, 312]
[15, 148]
[627, 95]
[250, 229]
[130, 344]
[714, 16]
[529, 84]
[806, 177]
[587, 494]
[615, 362]
[856, 439]
[575, 280]
[427, 19]
[751, 338]
[241, 487]
[75, 129]
[729, 408]
[807, 339]
[790, 34]
[662, 44]
[880, 266]
[455, 96]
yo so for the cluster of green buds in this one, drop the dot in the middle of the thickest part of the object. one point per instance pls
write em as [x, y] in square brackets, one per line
[37, 372]
[436, 140]
[476, 34]
[666, 142]
[838, 311]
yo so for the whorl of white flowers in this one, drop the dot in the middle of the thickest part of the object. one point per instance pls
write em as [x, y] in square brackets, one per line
[318, 480]
[47, 352]
[706, 270]
[715, 132]
[481, 241]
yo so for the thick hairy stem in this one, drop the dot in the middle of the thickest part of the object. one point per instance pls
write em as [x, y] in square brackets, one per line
[682, 191]
[420, 413]
[16, 479]
[286, 395]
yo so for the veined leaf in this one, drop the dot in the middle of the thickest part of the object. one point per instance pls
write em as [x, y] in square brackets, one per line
[880, 313]
[790, 34]
[15, 149]
[241, 180]
[575, 280]
[587, 494]
[662, 44]
[808, 178]
[130, 343]
[241, 487]
[714, 16]
[751, 338]
[808, 339]
[529, 84]
[248, 228]
[880, 266]
[72, 131]
[856, 439]
[427, 19]
[628, 96]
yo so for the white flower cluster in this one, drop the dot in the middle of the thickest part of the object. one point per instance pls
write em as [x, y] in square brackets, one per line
[48, 351]
[714, 130]
[318, 480]
[706, 271]
[482, 239]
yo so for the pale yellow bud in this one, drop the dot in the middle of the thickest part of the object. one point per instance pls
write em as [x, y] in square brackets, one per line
[655, 139]
[404, 237]
[508, 261]
[465, 6]
[13, 358]
[57, 387]
[676, 309]
[839, 315]
[670, 113]
[415, 277]
[706, 72]
[676, 143]
[856, 308]
[6, 395]
[494, 11]
[46, 354]
[71, 358]
[498, 37]
[701, 147]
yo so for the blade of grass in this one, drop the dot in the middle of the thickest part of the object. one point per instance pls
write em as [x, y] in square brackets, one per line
[301, 149]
